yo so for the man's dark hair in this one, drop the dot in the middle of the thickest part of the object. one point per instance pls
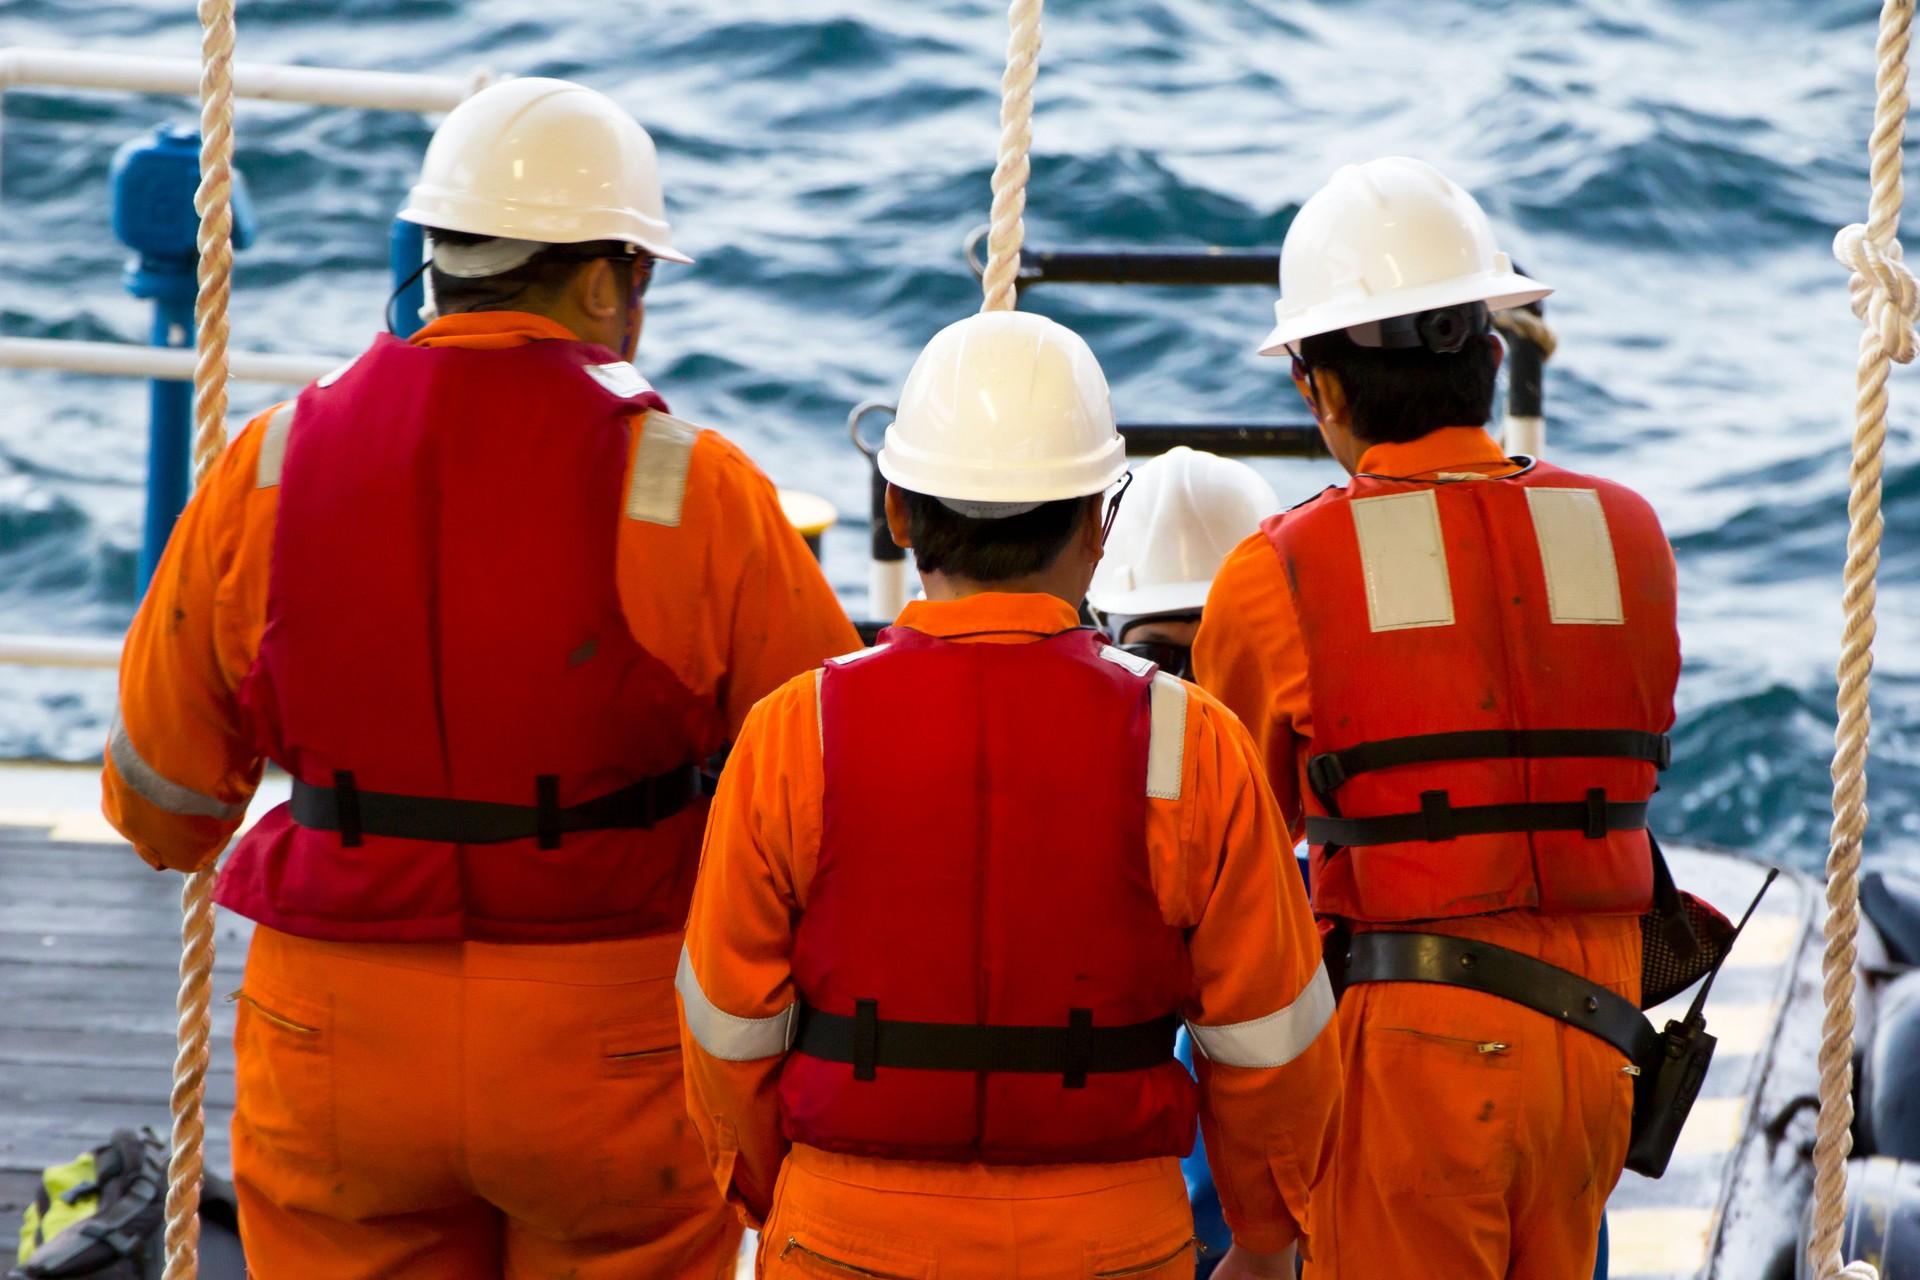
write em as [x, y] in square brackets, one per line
[944, 541]
[538, 281]
[1394, 396]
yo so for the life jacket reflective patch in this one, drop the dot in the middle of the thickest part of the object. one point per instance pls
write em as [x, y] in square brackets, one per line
[1491, 667]
[657, 489]
[983, 962]
[1404, 560]
[1576, 555]
[273, 446]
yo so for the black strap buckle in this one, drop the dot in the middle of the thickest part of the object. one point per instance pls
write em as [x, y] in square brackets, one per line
[866, 1039]
[1326, 774]
[347, 797]
[1596, 813]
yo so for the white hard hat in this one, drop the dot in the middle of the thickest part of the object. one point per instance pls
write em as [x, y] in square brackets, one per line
[547, 161]
[1184, 512]
[1003, 411]
[1389, 238]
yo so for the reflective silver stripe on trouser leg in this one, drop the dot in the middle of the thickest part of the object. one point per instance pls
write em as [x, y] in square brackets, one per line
[725, 1036]
[1278, 1038]
[156, 790]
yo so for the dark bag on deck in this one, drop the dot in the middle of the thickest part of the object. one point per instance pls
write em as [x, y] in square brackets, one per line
[102, 1217]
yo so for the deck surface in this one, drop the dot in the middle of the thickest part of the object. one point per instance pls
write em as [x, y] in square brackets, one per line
[89, 957]
[89, 949]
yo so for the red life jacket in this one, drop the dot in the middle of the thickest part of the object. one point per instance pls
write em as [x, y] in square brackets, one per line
[987, 873]
[1491, 666]
[443, 628]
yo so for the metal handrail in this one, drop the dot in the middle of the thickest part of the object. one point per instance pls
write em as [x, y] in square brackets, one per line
[166, 364]
[321, 86]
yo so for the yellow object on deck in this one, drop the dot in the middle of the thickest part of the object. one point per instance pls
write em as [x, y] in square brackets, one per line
[810, 514]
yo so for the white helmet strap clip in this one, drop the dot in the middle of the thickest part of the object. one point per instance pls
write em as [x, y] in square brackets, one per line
[1443, 330]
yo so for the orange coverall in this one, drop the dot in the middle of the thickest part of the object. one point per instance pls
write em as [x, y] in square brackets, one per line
[1481, 1139]
[458, 1109]
[1220, 870]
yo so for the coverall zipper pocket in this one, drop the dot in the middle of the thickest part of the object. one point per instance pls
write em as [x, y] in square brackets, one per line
[274, 1018]
[1142, 1268]
[848, 1267]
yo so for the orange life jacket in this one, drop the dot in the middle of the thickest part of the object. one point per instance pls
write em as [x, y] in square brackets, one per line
[1491, 667]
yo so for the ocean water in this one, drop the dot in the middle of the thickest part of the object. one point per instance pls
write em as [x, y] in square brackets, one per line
[1676, 168]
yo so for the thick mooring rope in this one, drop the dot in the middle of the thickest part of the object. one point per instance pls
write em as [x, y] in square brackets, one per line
[214, 203]
[1887, 301]
[1006, 231]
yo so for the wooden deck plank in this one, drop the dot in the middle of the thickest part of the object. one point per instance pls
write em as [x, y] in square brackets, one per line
[89, 956]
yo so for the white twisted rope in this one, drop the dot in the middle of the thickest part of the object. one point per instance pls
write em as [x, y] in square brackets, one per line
[1006, 230]
[214, 203]
[1887, 302]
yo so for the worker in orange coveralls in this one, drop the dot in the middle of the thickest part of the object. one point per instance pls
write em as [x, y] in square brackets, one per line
[491, 606]
[1460, 668]
[959, 890]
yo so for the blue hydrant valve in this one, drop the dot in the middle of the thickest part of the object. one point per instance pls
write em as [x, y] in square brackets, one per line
[153, 183]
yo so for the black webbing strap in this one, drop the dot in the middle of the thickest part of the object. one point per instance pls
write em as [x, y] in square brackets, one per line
[1439, 820]
[355, 814]
[1329, 771]
[1383, 956]
[1073, 1052]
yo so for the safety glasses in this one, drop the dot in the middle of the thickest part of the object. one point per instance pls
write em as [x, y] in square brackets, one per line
[1113, 506]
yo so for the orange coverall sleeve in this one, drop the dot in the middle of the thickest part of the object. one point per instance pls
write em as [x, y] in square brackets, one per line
[1251, 656]
[1221, 870]
[179, 772]
[1225, 868]
[730, 598]
[763, 840]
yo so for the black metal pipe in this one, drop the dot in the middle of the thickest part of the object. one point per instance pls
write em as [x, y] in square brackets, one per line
[1230, 439]
[1526, 377]
[882, 543]
[1197, 267]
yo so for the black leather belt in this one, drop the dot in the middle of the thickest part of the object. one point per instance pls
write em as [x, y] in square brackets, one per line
[1439, 820]
[868, 1042]
[355, 814]
[1389, 956]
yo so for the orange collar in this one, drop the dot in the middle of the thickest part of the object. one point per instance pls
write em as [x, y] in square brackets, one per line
[1448, 449]
[997, 617]
[491, 330]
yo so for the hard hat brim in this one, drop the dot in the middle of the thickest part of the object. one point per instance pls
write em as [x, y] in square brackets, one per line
[1500, 290]
[444, 214]
[1145, 602]
[919, 471]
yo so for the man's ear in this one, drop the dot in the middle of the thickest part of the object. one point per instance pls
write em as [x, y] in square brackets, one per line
[897, 518]
[596, 290]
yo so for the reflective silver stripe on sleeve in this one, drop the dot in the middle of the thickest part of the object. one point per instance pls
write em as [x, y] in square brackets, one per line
[1167, 751]
[658, 489]
[1278, 1038]
[273, 447]
[157, 790]
[724, 1036]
